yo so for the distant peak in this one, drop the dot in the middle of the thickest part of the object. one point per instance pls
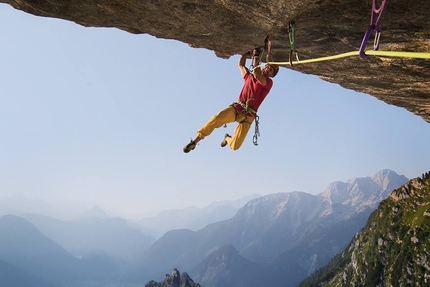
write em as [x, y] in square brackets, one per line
[370, 189]
[384, 173]
[95, 212]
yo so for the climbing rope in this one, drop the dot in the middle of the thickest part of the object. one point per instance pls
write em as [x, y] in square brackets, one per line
[416, 55]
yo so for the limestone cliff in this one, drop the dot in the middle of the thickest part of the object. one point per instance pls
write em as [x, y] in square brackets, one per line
[323, 28]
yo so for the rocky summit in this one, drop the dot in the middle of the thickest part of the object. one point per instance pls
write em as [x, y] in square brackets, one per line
[174, 280]
[322, 28]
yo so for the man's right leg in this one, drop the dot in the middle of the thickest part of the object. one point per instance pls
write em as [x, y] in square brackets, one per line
[225, 116]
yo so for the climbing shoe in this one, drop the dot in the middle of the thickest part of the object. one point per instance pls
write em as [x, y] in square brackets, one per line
[189, 147]
[224, 142]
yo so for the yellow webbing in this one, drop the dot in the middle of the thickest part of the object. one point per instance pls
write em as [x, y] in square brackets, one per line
[419, 55]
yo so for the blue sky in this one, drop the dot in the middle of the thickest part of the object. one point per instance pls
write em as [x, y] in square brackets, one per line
[100, 116]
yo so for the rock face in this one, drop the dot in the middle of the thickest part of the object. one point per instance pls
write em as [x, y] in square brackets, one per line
[323, 28]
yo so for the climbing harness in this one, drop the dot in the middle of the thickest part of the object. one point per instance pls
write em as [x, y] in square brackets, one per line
[375, 25]
[248, 111]
[292, 36]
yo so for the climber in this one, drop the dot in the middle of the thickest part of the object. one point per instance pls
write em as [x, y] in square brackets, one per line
[255, 89]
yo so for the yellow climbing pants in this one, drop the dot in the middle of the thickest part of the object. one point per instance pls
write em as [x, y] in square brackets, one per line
[229, 115]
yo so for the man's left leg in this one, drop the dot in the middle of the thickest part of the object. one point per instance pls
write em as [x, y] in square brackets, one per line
[240, 132]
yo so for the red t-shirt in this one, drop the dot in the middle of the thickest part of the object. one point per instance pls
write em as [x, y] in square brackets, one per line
[254, 90]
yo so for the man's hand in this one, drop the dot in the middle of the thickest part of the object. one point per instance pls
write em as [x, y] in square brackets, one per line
[257, 52]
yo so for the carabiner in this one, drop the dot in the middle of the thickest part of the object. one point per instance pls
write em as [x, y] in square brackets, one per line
[376, 41]
[291, 57]
[257, 131]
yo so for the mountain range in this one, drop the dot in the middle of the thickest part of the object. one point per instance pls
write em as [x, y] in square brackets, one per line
[273, 240]
[294, 233]
[31, 256]
[19, 204]
[85, 236]
[193, 218]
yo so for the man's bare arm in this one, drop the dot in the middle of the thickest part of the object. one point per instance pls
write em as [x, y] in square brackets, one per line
[242, 65]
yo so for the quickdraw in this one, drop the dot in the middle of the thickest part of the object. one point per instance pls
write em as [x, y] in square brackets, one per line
[292, 36]
[268, 48]
[375, 25]
[257, 131]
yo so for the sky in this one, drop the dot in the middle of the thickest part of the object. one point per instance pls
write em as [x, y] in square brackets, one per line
[99, 116]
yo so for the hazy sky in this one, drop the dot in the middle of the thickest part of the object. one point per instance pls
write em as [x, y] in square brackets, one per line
[100, 116]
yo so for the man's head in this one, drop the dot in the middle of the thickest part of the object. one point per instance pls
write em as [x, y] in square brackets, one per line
[271, 70]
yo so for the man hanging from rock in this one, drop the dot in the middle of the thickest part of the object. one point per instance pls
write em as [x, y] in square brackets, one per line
[255, 89]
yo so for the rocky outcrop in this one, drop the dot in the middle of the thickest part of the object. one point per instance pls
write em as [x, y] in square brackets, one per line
[323, 28]
[174, 280]
[411, 189]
